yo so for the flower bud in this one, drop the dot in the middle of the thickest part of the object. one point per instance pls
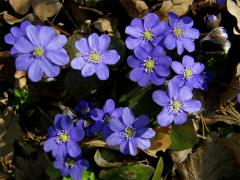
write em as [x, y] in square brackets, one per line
[217, 36]
[212, 21]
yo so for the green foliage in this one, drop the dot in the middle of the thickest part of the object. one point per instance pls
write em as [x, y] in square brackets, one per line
[52, 172]
[128, 172]
[183, 136]
[159, 170]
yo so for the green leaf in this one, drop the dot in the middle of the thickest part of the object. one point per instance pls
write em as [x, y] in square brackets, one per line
[67, 178]
[70, 46]
[52, 172]
[159, 170]
[129, 172]
[183, 137]
[108, 158]
[88, 175]
[119, 45]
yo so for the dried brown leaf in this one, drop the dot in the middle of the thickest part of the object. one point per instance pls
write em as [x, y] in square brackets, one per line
[234, 9]
[21, 79]
[9, 132]
[180, 7]
[10, 19]
[45, 8]
[135, 8]
[20, 6]
[160, 142]
[217, 159]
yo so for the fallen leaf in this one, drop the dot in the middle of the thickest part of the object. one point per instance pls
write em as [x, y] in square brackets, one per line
[135, 8]
[160, 142]
[45, 8]
[234, 10]
[217, 159]
[10, 19]
[9, 132]
[20, 6]
[20, 79]
[178, 7]
[107, 25]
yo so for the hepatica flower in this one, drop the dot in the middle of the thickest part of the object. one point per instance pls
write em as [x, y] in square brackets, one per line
[15, 33]
[63, 137]
[149, 65]
[40, 51]
[190, 74]
[94, 56]
[181, 34]
[103, 116]
[87, 124]
[84, 108]
[71, 166]
[176, 103]
[145, 32]
[130, 132]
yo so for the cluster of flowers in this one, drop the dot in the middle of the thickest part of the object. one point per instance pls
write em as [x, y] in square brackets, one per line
[148, 38]
[38, 49]
[118, 127]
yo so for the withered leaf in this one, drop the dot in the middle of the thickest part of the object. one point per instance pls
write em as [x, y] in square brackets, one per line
[234, 10]
[160, 142]
[45, 8]
[134, 8]
[20, 6]
[10, 19]
[180, 7]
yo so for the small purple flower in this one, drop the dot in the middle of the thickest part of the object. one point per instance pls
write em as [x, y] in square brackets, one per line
[40, 51]
[130, 133]
[71, 166]
[212, 21]
[102, 117]
[149, 66]
[175, 104]
[87, 124]
[145, 32]
[190, 74]
[15, 33]
[181, 34]
[63, 137]
[238, 98]
[94, 56]
[84, 108]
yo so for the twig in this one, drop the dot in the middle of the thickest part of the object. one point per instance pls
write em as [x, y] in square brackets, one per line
[59, 29]
[58, 11]
[91, 9]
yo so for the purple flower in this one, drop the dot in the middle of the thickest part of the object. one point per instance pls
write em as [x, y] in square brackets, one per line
[212, 21]
[181, 34]
[102, 117]
[145, 32]
[40, 51]
[63, 137]
[176, 103]
[94, 56]
[130, 133]
[15, 33]
[149, 66]
[84, 108]
[190, 74]
[87, 124]
[71, 166]
[238, 98]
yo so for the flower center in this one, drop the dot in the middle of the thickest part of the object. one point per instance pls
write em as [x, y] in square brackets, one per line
[175, 106]
[63, 137]
[87, 122]
[130, 132]
[188, 73]
[85, 110]
[149, 65]
[38, 52]
[70, 163]
[148, 35]
[178, 31]
[95, 57]
[106, 117]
